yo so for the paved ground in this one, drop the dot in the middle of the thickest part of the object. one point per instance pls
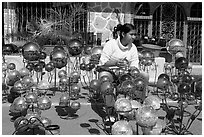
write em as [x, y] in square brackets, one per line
[88, 121]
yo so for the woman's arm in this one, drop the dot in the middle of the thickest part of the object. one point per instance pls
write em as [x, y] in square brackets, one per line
[106, 54]
[111, 63]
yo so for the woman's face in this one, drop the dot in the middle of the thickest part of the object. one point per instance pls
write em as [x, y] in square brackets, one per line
[128, 37]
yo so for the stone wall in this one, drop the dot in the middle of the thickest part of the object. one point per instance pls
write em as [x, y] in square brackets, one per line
[102, 17]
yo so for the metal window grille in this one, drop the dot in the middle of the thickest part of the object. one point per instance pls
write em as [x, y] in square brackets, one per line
[194, 39]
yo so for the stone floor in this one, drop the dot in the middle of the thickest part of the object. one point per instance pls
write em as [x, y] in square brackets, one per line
[88, 121]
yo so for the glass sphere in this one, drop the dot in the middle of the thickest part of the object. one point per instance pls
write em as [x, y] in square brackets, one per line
[175, 45]
[97, 50]
[75, 105]
[146, 116]
[107, 88]
[75, 47]
[24, 72]
[11, 66]
[20, 104]
[181, 63]
[124, 77]
[153, 101]
[163, 75]
[44, 103]
[62, 73]
[59, 58]
[121, 127]
[95, 84]
[49, 67]
[163, 83]
[31, 51]
[123, 106]
[184, 88]
[155, 130]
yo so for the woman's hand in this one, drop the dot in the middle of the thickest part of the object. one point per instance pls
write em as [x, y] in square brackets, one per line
[123, 63]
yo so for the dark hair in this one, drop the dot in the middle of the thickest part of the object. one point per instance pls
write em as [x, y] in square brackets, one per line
[118, 27]
[126, 28]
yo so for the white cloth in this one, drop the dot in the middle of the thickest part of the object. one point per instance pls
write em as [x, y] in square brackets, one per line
[114, 50]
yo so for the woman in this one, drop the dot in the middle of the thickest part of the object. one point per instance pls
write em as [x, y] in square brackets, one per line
[121, 51]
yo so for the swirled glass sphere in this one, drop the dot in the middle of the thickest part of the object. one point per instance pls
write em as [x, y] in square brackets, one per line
[121, 127]
[153, 101]
[123, 106]
[155, 130]
[135, 104]
[146, 116]
[20, 104]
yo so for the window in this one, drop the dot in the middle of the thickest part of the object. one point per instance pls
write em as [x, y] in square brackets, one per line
[196, 10]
